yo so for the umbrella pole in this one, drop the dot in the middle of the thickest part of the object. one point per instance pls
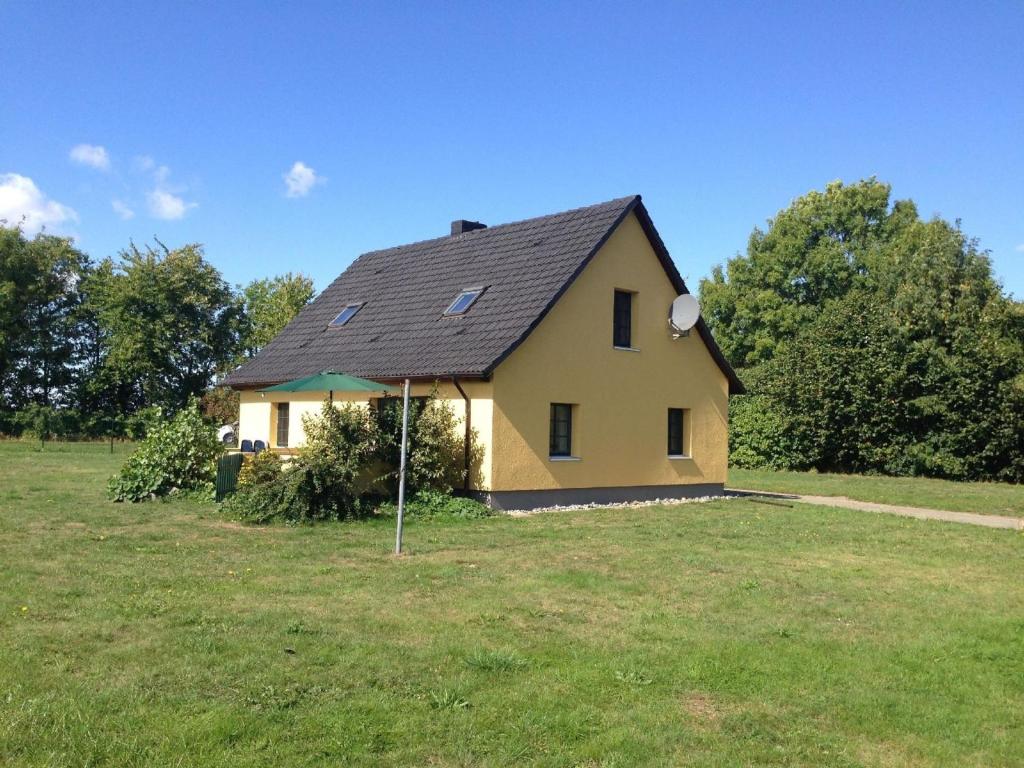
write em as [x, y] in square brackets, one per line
[330, 394]
[401, 468]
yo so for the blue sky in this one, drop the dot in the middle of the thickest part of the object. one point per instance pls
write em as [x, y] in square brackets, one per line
[182, 120]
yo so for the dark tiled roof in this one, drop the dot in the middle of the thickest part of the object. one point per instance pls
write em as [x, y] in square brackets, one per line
[400, 331]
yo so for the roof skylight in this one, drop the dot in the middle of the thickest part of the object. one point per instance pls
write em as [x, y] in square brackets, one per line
[345, 315]
[463, 301]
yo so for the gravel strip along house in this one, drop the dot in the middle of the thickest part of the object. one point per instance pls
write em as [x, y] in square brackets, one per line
[551, 339]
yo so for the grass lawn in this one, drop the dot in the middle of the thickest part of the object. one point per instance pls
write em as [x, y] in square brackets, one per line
[721, 634]
[980, 498]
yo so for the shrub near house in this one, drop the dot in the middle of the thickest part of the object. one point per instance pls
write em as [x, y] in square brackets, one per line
[177, 455]
[349, 464]
[327, 480]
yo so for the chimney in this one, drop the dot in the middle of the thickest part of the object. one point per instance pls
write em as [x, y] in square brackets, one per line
[461, 226]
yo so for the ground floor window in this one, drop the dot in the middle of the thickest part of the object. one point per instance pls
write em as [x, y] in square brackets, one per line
[561, 429]
[676, 426]
[282, 425]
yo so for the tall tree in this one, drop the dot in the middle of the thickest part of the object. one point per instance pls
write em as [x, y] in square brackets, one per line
[872, 340]
[817, 249]
[40, 282]
[165, 321]
[269, 306]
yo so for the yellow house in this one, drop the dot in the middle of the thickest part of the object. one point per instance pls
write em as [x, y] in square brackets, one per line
[551, 339]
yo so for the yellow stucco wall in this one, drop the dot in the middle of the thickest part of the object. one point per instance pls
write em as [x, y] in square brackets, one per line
[257, 415]
[621, 397]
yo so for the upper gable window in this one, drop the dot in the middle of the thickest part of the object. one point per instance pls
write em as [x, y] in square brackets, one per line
[345, 315]
[622, 324]
[463, 301]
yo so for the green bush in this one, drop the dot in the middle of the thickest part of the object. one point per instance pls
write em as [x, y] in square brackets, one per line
[428, 504]
[139, 424]
[277, 497]
[350, 463]
[857, 391]
[43, 422]
[264, 467]
[436, 460]
[758, 438]
[177, 455]
[329, 479]
[38, 421]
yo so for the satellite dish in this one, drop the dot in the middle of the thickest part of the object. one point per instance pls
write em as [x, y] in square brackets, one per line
[684, 313]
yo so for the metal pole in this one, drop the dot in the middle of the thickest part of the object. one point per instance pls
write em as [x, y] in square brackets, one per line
[401, 468]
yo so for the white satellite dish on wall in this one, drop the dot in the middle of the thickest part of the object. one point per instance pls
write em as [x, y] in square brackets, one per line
[684, 313]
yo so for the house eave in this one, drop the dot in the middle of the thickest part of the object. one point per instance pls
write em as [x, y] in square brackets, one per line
[390, 379]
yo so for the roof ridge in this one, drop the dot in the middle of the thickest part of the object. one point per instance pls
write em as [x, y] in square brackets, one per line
[497, 227]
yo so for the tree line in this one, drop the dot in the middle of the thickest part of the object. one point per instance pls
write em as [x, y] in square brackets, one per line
[91, 348]
[870, 340]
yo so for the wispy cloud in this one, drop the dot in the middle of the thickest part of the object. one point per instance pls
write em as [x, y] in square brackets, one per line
[164, 200]
[122, 210]
[168, 206]
[22, 202]
[300, 180]
[1019, 248]
[92, 155]
[161, 174]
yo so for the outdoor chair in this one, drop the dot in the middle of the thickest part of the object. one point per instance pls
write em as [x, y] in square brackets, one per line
[258, 445]
[247, 446]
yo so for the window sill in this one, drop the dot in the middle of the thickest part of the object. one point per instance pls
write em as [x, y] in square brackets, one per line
[564, 458]
[626, 349]
[680, 458]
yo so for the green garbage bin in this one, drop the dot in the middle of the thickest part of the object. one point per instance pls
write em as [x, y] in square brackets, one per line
[228, 467]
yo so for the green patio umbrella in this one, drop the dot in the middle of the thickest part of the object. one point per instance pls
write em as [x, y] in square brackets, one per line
[331, 382]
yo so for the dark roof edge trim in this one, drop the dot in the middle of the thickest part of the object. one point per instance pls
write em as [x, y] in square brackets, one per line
[565, 286]
[414, 379]
[736, 386]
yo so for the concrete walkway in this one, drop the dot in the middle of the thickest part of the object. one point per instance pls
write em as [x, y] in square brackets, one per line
[989, 521]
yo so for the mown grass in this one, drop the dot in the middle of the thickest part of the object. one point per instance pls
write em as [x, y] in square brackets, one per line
[721, 634]
[980, 498]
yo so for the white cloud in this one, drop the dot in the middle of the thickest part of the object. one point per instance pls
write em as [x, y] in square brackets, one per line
[164, 200]
[122, 210]
[168, 206]
[1020, 248]
[22, 202]
[300, 180]
[92, 155]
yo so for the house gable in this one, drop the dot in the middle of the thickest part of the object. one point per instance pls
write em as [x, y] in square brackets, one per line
[657, 245]
[620, 397]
